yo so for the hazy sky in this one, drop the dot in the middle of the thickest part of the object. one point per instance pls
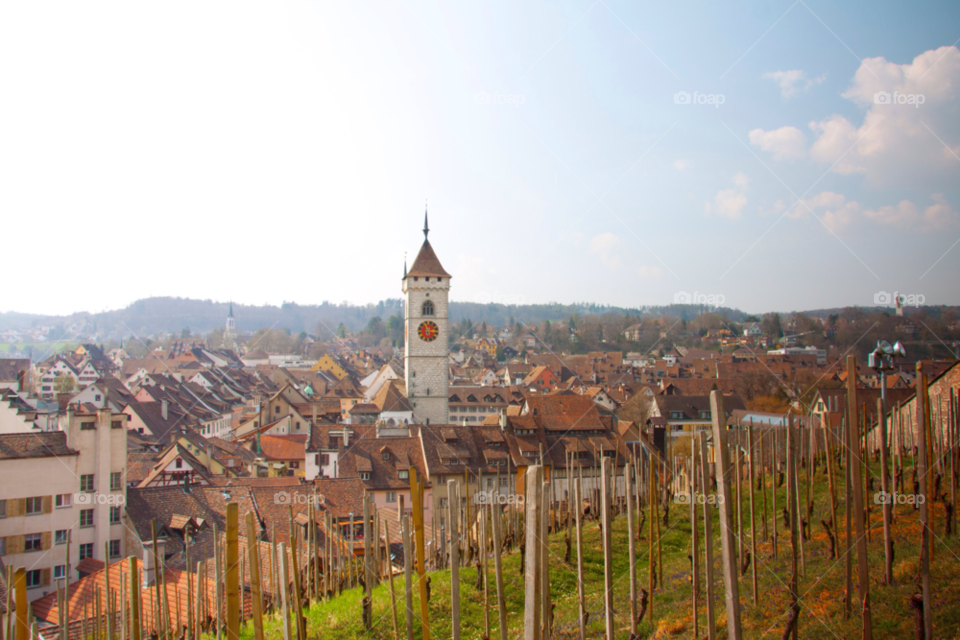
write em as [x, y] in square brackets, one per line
[270, 152]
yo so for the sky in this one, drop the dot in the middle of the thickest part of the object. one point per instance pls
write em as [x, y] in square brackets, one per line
[765, 156]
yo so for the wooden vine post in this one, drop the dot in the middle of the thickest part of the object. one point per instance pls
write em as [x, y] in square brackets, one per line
[631, 546]
[531, 609]
[922, 466]
[727, 542]
[607, 546]
[863, 569]
[416, 492]
[707, 533]
[233, 578]
[253, 553]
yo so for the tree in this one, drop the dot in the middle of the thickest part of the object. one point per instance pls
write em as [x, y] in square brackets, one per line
[770, 325]
[185, 332]
[341, 331]
[63, 384]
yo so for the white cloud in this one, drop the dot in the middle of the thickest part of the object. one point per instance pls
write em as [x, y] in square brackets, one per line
[729, 203]
[785, 142]
[648, 272]
[605, 245]
[837, 212]
[793, 82]
[680, 165]
[900, 141]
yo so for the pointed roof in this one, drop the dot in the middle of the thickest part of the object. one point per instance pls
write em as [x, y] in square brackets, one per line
[427, 263]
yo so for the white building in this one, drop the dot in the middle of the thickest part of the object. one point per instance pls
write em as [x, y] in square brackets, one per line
[801, 351]
[63, 485]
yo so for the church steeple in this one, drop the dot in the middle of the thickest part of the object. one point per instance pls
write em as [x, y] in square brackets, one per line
[426, 226]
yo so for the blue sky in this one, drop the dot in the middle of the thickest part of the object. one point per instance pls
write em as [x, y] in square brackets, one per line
[283, 151]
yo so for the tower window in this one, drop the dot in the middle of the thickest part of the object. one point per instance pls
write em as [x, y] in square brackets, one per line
[427, 308]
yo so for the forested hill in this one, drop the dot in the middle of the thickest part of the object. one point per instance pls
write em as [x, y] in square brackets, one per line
[164, 314]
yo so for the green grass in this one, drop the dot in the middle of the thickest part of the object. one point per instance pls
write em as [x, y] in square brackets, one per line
[821, 588]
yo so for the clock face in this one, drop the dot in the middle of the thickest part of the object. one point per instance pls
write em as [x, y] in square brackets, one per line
[428, 331]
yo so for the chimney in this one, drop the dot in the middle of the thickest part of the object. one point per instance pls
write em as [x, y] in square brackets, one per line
[346, 437]
[163, 408]
[503, 419]
[149, 573]
[20, 375]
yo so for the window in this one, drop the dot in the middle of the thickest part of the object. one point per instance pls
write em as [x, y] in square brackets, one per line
[443, 503]
[386, 455]
[114, 515]
[86, 482]
[391, 496]
[60, 537]
[86, 551]
[88, 426]
[33, 579]
[115, 481]
[96, 397]
[114, 548]
[403, 474]
[427, 308]
[704, 415]
[364, 475]
[3, 508]
[676, 415]
[32, 542]
[34, 506]
[178, 464]
[116, 424]
[276, 409]
[86, 518]
[503, 482]
[59, 571]
[3, 546]
[64, 500]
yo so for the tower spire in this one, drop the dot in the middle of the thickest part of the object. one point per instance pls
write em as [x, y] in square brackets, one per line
[426, 226]
[404, 264]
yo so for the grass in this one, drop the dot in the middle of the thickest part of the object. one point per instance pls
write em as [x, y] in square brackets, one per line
[821, 587]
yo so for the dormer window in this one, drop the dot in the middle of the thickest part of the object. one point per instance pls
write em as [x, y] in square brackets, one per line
[364, 475]
[427, 308]
[386, 455]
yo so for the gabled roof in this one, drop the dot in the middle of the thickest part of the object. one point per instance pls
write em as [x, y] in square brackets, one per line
[34, 445]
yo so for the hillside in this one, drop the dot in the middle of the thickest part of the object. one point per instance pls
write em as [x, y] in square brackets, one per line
[820, 587]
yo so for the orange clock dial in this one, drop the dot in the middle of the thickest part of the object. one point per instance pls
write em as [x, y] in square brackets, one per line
[428, 331]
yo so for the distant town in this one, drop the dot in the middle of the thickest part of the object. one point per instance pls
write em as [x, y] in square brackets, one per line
[135, 446]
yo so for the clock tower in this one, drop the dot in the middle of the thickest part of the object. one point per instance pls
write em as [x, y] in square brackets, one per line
[426, 368]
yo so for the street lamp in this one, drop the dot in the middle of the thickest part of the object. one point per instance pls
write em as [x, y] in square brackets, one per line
[881, 360]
